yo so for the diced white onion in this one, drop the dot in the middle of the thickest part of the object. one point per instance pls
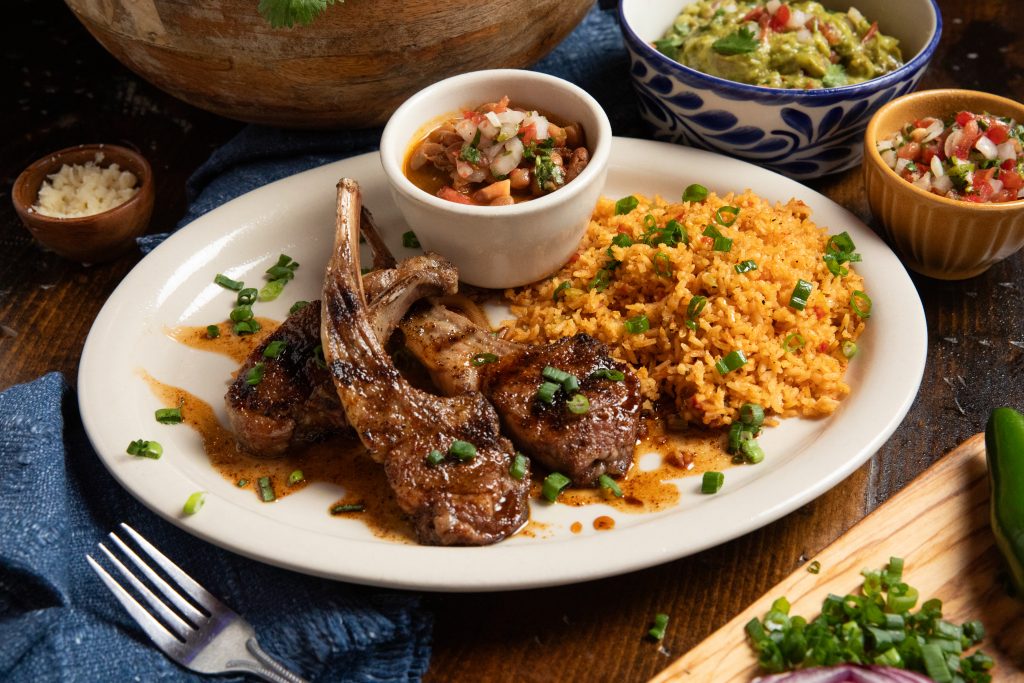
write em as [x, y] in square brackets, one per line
[936, 165]
[934, 130]
[796, 19]
[804, 36]
[542, 126]
[997, 185]
[986, 147]
[942, 184]
[493, 118]
[884, 145]
[855, 14]
[463, 169]
[901, 164]
[772, 6]
[508, 130]
[511, 116]
[951, 142]
[504, 163]
[494, 150]
[1006, 151]
[466, 129]
[889, 157]
[924, 182]
[1020, 193]
[488, 130]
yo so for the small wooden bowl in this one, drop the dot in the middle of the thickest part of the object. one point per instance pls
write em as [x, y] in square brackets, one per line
[89, 239]
[939, 237]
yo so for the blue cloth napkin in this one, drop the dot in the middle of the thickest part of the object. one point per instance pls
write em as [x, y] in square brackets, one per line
[57, 501]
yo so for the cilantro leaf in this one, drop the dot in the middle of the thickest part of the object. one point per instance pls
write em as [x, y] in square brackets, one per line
[287, 13]
[669, 46]
[737, 43]
[470, 153]
[835, 76]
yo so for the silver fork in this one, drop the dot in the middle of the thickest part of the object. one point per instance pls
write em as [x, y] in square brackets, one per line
[207, 637]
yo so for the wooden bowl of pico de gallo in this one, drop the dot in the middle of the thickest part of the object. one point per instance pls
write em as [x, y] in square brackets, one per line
[944, 173]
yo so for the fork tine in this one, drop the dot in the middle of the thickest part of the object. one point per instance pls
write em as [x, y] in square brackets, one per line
[153, 628]
[183, 605]
[178, 626]
[184, 581]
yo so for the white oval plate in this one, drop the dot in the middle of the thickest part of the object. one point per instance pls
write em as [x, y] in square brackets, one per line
[173, 286]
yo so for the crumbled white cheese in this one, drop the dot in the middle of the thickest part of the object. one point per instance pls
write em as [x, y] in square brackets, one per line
[85, 189]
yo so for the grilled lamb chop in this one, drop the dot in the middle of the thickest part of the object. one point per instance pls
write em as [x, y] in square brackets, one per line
[582, 447]
[456, 502]
[296, 402]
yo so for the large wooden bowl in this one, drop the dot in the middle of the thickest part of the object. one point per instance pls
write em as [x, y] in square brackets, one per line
[351, 68]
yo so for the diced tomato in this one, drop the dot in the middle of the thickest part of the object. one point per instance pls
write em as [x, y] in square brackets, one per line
[983, 183]
[962, 118]
[1007, 165]
[930, 150]
[871, 32]
[708, 240]
[997, 133]
[924, 123]
[911, 150]
[528, 133]
[976, 198]
[820, 312]
[1011, 180]
[830, 33]
[780, 18]
[754, 14]
[823, 347]
[453, 195]
[968, 136]
[1003, 195]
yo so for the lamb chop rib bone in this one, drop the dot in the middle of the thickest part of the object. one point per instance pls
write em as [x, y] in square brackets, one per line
[471, 502]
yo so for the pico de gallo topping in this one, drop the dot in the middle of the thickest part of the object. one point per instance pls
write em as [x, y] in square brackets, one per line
[496, 155]
[970, 157]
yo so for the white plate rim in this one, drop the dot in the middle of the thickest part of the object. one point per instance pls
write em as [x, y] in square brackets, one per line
[894, 372]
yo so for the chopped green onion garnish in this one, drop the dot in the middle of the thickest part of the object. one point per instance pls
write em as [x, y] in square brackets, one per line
[578, 404]
[242, 483]
[284, 269]
[560, 290]
[246, 297]
[463, 450]
[241, 313]
[518, 468]
[814, 567]
[750, 449]
[658, 630]
[553, 374]
[662, 265]
[609, 484]
[626, 204]
[274, 349]
[861, 304]
[266, 489]
[272, 289]
[720, 214]
[228, 283]
[745, 266]
[212, 331]
[297, 306]
[735, 430]
[351, 507]
[546, 392]
[850, 348]
[194, 503]
[295, 477]
[752, 415]
[695, 193]
[694, 309]
[410, 241]
[935, 663]
[798, 299]
[246, 327]
[638, 324]
[608, 373]
[794, 341]
[553, 486]
[602, 278]
[145, 449]
[169, 416]
[255, 375]
[712, 482]
[435, 457]
[482, 359]
[732, 361]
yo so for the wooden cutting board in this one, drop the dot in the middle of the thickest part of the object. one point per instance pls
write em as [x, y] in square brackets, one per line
[939, 524]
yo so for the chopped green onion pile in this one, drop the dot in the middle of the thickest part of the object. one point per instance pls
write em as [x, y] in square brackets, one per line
[169, 416]
[194, 503]
[247, 297]
[839, 250]
[743, 434]
[875, 626]
[712, 482]
[554, 484]
[246, 327]
[721, 242]
[280, 274]
[145, 449]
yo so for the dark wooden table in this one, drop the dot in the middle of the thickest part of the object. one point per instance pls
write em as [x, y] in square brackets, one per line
[61, 88]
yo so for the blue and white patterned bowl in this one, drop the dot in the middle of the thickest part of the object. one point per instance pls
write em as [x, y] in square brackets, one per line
[800, 133]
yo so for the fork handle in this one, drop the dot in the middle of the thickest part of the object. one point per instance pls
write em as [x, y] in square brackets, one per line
[264, 666]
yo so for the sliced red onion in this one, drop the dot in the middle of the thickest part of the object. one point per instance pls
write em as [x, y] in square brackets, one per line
[846, 673]
[936, 165]
[986, 147]
[1006, 151]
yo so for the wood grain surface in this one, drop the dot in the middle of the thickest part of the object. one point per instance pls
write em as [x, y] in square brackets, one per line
[61, 88]
[939, 525]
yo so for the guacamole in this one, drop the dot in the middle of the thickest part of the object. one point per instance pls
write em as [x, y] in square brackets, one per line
[780, 45]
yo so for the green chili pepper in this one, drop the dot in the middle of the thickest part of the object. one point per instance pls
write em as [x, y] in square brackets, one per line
[1004, 447]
